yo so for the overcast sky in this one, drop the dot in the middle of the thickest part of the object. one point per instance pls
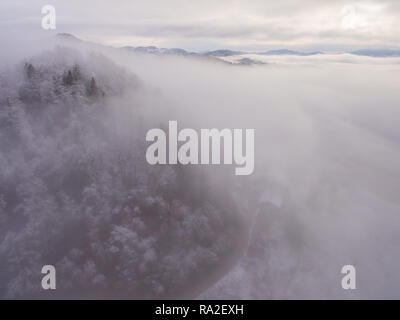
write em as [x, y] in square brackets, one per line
[214, 24]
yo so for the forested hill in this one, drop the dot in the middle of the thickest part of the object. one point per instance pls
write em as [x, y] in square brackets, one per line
[76, 193]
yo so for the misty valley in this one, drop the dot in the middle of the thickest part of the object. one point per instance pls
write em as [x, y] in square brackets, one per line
[97, 180]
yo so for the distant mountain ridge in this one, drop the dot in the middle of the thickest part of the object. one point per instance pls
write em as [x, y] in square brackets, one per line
[290, 52]
[377, 53]
[223, 53]
[381, 53]
[214, 53]
[156, 50]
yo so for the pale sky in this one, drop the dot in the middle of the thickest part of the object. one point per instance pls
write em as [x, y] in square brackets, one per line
[215, 24]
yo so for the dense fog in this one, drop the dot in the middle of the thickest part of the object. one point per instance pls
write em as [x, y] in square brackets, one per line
[77, 193]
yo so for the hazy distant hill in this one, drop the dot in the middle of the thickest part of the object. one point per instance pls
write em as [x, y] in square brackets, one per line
[290, 52]
[377, 53]
[223, 53]
[155, 50]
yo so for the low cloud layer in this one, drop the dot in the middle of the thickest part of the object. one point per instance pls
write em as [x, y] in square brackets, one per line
[324, 192]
